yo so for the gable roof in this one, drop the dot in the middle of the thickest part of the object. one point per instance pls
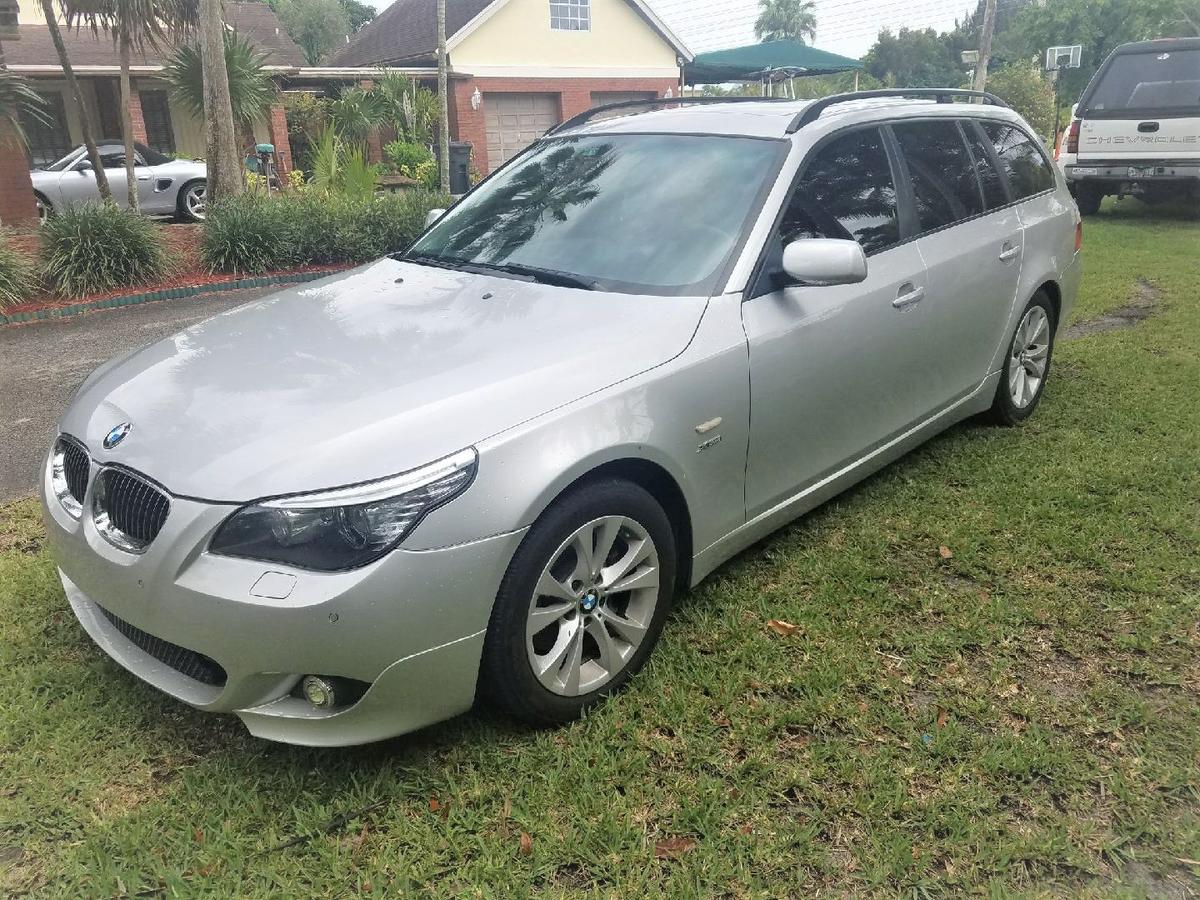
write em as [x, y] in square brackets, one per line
[406, 32]
[254, 21]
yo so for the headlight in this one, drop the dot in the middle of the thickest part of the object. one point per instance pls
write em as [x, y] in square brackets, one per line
[346, 527]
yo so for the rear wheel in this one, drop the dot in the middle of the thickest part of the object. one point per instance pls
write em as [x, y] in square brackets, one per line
[1088, 199]
[582, 605]
[192, 201]
[1026, 364]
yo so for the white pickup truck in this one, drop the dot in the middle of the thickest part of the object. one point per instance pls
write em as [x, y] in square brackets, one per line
[1136, 130]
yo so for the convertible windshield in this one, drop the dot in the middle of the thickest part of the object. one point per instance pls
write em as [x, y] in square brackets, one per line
[60, 165]
[636, 213]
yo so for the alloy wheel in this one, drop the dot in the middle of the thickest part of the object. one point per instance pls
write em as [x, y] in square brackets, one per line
[1030, 353]
[194, 200]
[592, 606]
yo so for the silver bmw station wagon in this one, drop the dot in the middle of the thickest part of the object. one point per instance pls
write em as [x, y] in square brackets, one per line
[483, 467]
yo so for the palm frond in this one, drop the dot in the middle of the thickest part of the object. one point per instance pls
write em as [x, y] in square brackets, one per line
[18, 100]
[251, 90]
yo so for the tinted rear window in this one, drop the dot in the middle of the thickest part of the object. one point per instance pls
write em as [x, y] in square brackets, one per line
[1153, 82]
[989, 175]
[1025, 165]
[943, 181]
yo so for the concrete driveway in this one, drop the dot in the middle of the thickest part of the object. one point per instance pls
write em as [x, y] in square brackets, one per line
[42, 364]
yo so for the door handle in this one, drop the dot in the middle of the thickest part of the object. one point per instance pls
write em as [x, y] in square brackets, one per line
[143, 178]
[908, 295]
[1009, 252]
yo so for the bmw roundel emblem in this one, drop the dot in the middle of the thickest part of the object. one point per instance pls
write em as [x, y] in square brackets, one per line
[118, 434]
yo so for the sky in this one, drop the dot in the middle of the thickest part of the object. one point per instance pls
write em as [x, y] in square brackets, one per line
[847, 27]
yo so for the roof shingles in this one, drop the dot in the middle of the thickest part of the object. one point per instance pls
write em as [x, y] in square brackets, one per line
[406, 32]
[254, 21]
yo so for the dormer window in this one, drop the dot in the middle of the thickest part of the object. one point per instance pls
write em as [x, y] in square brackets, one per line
[570, 15]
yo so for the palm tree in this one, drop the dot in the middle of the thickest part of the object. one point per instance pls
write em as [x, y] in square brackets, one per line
[19, 100]
[781, 20]
[81, 109]
[224, 162]
[252, 93]
[133, 24]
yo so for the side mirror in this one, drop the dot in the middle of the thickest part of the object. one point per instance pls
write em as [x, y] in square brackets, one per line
[433, 215]
[85, 165]
[825, 261]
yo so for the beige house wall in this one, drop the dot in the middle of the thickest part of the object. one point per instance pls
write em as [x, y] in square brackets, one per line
[518, 34]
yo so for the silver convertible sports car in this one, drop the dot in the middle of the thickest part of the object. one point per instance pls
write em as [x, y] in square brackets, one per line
[484, 467]
[166, 187]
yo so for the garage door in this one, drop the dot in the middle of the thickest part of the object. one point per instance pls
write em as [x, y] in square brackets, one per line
[514, 121]
[599, 98]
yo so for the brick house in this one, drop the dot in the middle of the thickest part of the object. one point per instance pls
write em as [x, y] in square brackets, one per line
[517, 67]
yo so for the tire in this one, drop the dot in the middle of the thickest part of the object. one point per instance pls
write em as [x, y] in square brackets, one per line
[632, 620]
[44, 209]
[1088, 199]
[184, 208]
[1032, 341]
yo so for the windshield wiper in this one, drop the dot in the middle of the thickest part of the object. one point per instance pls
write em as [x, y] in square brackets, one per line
[540, 275]
[428, 259]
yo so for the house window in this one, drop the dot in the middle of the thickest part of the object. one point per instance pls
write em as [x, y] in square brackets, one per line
[48, 142]
[570, 15]
[156, 113]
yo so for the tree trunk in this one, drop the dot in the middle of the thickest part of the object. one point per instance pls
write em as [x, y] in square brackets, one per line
[85, 117]
[443, 86]
[127, 123]
[224, 162]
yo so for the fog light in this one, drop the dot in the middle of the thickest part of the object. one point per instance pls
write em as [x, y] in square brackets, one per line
[318, 691]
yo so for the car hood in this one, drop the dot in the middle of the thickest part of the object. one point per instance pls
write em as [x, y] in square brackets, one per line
[364, 374]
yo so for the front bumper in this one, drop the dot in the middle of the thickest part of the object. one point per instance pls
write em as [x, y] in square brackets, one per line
[410, 625]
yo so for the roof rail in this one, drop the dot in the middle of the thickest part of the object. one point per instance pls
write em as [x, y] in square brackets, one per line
[813, 111]
[651, 102]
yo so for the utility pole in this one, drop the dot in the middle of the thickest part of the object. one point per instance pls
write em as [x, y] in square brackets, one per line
[443, 87]
[985, 44]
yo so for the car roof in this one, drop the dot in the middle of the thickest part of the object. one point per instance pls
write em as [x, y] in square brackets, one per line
[768, 118]
[1159, 44]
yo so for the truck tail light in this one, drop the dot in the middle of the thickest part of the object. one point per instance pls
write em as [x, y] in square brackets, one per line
[1073, 137]
[1078, 235]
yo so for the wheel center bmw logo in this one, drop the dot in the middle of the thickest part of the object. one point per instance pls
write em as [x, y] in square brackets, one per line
[589, 601]
[118, 434]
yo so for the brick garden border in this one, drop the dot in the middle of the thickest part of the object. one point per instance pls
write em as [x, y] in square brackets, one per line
[152, 296]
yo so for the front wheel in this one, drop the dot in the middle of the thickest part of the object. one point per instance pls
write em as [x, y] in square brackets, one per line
[1026, 364]
[582, 604]
[192, 201]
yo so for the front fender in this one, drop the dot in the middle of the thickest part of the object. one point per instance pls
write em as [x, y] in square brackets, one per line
[651, 417]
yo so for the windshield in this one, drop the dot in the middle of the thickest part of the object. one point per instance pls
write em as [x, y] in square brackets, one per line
[1153, 82]
[66, 161]
[635, 213]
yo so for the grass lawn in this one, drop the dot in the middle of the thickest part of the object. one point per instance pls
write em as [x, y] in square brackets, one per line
[1016, 713]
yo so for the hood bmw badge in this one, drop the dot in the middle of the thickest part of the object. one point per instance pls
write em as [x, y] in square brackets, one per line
[118, 434]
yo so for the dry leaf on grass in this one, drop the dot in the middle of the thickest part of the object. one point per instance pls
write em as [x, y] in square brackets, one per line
[945, 552]
[942, 716]
[526, 843]
[673, 846]
[786, 629]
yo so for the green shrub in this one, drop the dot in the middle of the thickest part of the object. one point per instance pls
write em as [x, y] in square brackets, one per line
[249, 234]
[253, 234]
[91, 248]
[17, 279]
[404, 157]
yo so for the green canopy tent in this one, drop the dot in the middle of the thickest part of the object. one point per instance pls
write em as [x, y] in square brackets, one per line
[767, 62]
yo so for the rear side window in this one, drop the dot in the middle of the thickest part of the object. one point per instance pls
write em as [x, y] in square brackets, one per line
[1148, 83]
[846, 192]
[1025, 165]
[945, 189]
[989, 176]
